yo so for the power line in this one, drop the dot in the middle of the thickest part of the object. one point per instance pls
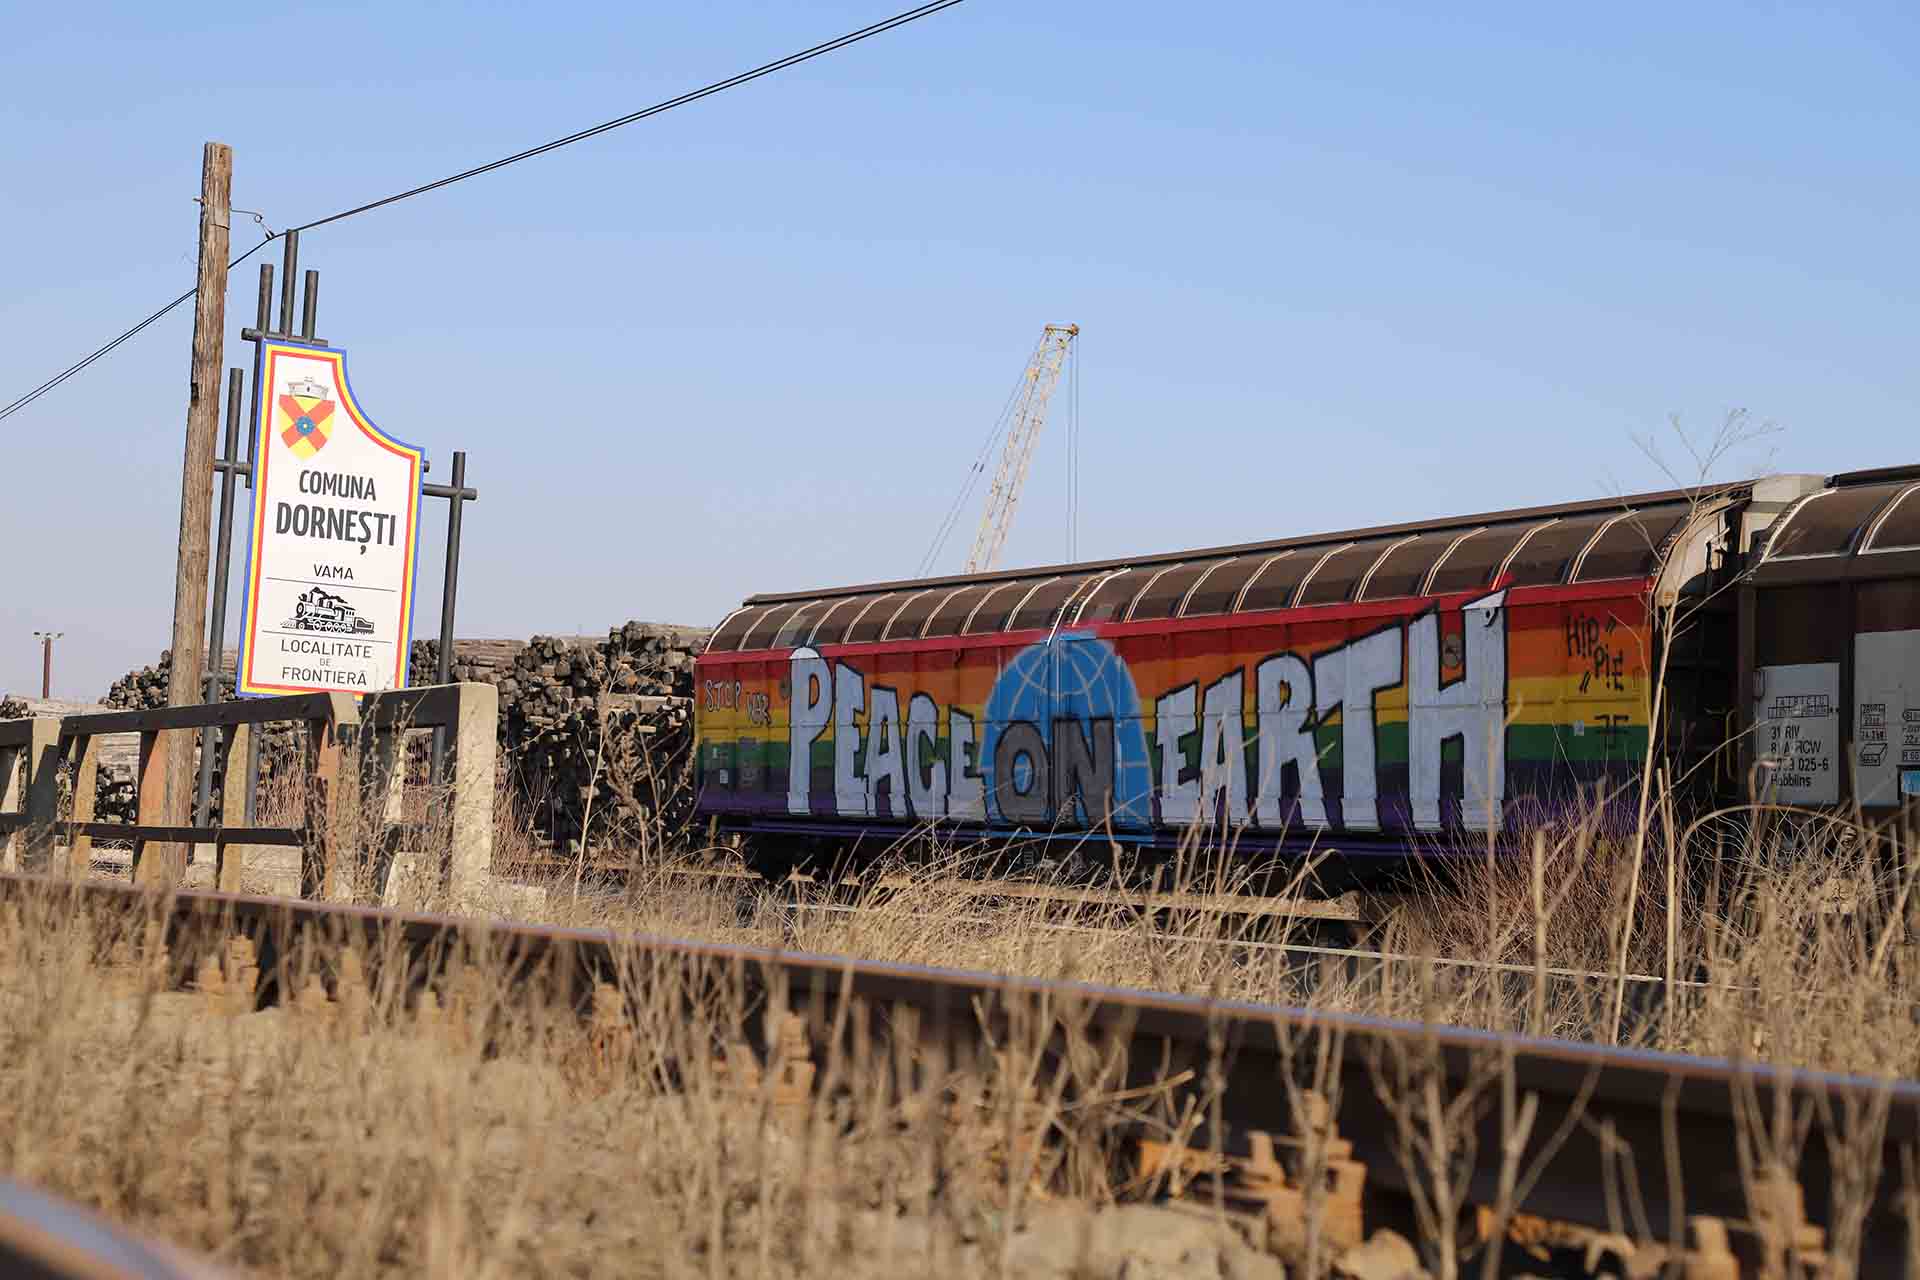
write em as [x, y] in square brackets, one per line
[718, 86]
[72, 369]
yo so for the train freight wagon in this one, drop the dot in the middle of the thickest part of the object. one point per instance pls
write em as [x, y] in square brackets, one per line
[1385, 690]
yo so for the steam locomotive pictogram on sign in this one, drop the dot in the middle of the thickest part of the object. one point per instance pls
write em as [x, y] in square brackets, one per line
[321, 610]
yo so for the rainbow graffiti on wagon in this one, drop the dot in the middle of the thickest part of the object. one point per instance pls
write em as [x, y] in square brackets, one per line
[1057, 710]
[1385, 686]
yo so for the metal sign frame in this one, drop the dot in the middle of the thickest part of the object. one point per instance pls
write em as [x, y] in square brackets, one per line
[232, 468]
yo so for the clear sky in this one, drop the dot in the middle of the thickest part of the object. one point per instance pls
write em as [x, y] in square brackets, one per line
[1334, 265]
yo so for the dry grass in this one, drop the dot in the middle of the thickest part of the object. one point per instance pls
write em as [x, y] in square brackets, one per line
[503, 1140]
[1794, 943]
[501, 1137]
[504, 1143]
[287, 1147]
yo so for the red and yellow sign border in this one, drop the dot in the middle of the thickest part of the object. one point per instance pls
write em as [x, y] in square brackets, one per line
[265, 371]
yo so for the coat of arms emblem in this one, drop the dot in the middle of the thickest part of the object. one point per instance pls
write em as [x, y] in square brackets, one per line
[305, 414]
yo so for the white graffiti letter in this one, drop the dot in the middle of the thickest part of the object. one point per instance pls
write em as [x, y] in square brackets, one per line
[1173, 720]
[849, 699]
[965, 794]
[926, 774]
[1223, 751]
[1284, 689]
[1347, 678]
[1472, 708]
[886, 754]
[810, 708]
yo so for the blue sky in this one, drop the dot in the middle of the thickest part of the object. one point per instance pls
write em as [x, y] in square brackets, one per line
[1333, 265]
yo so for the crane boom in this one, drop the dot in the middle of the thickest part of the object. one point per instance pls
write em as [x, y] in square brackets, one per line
[1029, 416]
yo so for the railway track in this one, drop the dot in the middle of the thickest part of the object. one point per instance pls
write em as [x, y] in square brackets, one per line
[1309, 931]
[46, 1238]
[1621, 1149]
[1352, 907]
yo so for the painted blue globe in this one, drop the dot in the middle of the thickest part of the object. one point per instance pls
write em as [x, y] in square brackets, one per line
[1081, 678]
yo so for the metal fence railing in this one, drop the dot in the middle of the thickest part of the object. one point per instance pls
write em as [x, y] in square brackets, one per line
[352, 772]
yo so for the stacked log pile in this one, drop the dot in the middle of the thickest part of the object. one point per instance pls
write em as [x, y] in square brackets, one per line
[145, 689]
[114, 791]
[596, 734]
[599, 736]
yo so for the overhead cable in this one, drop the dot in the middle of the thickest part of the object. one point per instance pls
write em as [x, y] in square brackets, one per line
[72, 369]
[718, 86]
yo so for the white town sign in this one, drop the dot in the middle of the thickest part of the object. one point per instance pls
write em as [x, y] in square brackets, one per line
[331, 549]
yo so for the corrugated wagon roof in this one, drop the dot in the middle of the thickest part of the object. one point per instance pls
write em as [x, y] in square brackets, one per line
[1630, 502]
[1603, 539]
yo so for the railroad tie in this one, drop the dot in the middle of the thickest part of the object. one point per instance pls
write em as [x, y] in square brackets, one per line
[136, 968]
[1179, 1164]
[737, 1070]
[1274, 1192]
[352, 995]
[1790, 1245]
[1707, 1255]
[740, 1073]
[429, 1018]
[794, 1070]
[229, 978]
[1261, 1184]
[313, 1002]
[610, 1045]
[1282, 1194]
[452, 1019]
[1029, 1119]
[348, 1008]
[611, 1033]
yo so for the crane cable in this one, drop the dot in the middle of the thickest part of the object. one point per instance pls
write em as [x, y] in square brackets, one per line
[967, 486]
[718, 86]
[1073, 455]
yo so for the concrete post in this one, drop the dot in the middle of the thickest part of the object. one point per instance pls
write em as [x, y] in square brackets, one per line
[10, 802]
[230, 863]
[83, 753]
[384, 794]
[43, 794]
[470, 860]
[30, 794]
[153, 860]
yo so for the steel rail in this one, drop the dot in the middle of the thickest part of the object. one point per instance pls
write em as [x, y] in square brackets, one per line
[1348, 907]
[1683, 1131]
[1380, 960]
[1280, 913]
[1383, 959]
[43, 1237]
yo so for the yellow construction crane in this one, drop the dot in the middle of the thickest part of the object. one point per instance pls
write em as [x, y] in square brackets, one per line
[1029, 415]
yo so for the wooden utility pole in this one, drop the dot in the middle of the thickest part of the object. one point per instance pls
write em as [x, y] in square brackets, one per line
[166, 864]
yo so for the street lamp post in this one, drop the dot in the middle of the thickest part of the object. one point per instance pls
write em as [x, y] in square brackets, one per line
[46, 639]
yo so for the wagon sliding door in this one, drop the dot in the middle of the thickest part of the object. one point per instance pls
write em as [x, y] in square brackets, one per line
[1801, 645]
[1886, 692]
